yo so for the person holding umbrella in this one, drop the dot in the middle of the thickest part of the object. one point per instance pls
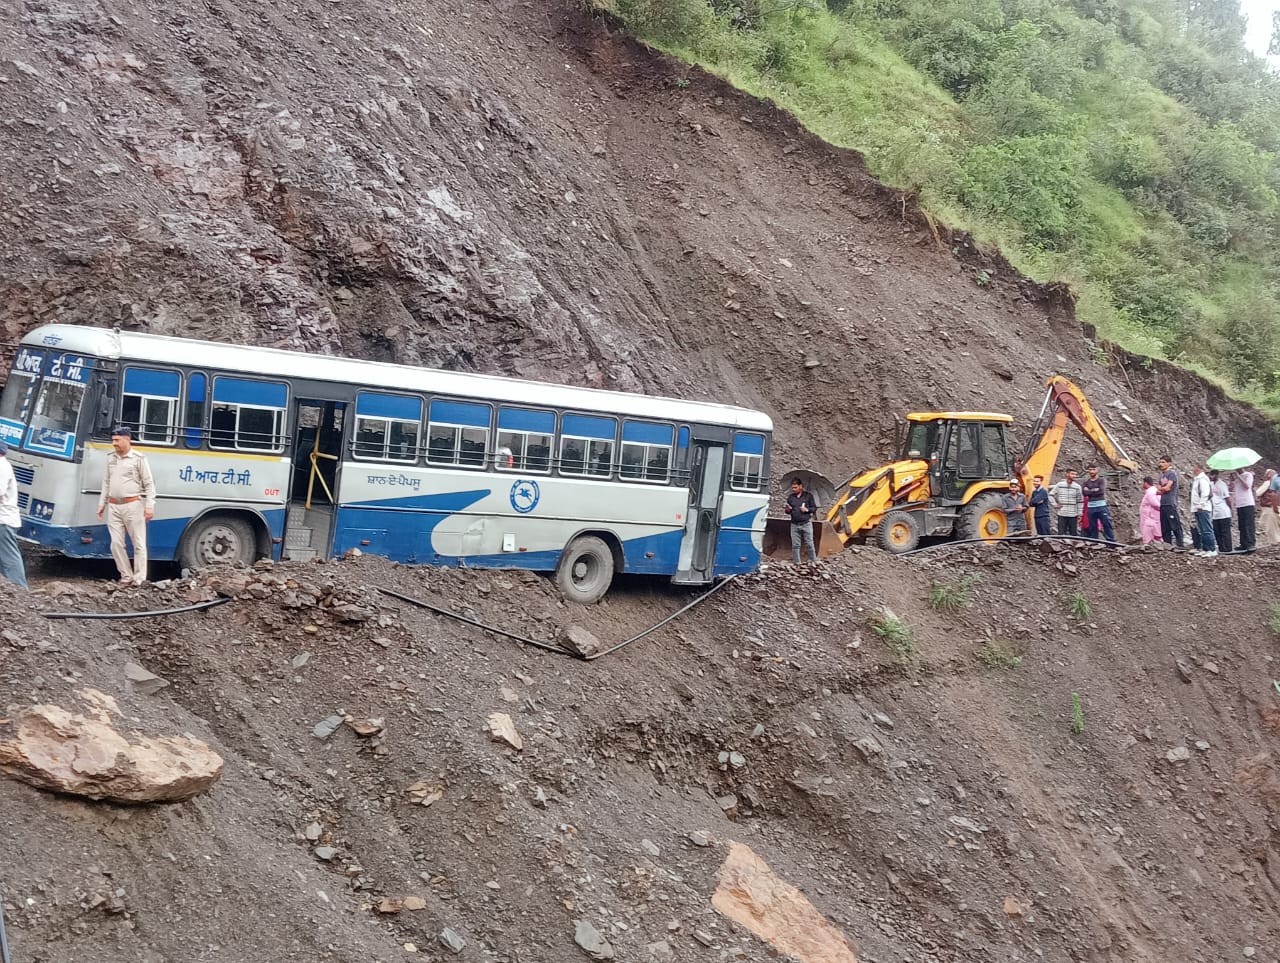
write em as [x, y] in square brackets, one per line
[1237, 461]
[1246, 508]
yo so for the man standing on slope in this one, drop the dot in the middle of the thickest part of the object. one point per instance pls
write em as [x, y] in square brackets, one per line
[1067, 500]
[1202, 508]
[1242, 498]
[1170, 520]
[1095, 497]
[1039, 501]
[130, 491]
[11, 566]
[802, 508]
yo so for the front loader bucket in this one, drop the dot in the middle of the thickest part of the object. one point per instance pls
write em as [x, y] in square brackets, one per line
[777, 539]
[777, 531]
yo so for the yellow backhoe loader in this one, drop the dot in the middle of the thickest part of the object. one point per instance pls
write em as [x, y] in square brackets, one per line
[952, 469]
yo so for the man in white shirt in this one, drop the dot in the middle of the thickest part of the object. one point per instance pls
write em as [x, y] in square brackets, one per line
[1246, 507]
[11, 566]
[1202, 508]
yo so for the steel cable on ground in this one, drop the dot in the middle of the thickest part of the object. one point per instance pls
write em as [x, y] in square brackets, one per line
[197, 607]
[549, 646]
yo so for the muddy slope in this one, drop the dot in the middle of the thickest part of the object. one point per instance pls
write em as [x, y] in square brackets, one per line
[512, 187]
[935, 798]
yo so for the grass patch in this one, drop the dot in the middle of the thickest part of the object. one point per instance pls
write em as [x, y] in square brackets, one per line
[1077, 714]
[954, 596]
[896, 634]
[1000, 654]
[1079, 605]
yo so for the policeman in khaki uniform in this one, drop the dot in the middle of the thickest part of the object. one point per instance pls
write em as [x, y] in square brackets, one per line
[129, 498]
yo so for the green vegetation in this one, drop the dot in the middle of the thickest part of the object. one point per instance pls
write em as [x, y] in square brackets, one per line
[896, 634]
[1077, 714]
[1079, 604]
[1130, 147]
[999, 654]
[951, 598]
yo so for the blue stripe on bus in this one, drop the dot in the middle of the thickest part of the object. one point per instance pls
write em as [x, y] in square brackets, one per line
[242, 391]
[647, 433]
[163, 536]
[521, 419]
[589, 426]
[460, 413]
[388, 406]
[735, 546]
[147, 381]
[748, 444]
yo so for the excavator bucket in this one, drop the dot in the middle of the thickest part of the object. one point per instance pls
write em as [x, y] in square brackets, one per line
[777, 531]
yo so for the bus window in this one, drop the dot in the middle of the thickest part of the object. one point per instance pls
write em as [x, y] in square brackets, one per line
[149, 404]
[646, 451]
[527, 435]
[586, 445]
[748, 462]
[458, 433]
[387, 427]
[248, 415]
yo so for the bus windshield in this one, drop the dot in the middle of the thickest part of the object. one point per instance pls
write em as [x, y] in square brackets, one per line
[57, 406]
[56, 411]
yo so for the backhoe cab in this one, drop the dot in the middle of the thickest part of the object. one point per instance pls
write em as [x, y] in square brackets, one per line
[951, 471]
[948, 479]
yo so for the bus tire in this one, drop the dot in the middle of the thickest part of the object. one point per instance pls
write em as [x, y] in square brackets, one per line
[585, 571]
[218, 540]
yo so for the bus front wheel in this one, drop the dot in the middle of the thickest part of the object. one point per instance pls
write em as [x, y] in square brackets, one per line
[585, 570]
[218, 540]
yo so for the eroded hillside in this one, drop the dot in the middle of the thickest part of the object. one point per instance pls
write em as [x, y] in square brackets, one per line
[513, 187]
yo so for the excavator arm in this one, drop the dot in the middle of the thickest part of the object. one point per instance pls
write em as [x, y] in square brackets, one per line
[1064, 403]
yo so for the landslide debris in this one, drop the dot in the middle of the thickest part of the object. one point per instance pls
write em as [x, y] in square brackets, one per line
[932, 802]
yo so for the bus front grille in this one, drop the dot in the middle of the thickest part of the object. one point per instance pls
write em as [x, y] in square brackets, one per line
[25, 475]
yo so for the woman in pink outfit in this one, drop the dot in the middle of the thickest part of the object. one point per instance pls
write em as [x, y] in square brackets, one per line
[1149, 512]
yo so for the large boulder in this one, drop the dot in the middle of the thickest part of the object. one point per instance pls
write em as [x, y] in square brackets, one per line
[85, 755]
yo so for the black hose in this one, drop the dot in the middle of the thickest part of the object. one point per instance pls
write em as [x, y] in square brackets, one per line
[551, 647]
[4, 938]
[198, 607]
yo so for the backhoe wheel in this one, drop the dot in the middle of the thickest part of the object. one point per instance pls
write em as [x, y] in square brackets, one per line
[983, 518]
[585, 570]
[898, 532]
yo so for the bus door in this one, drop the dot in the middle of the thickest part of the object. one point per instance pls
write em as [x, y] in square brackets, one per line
[313, 491]
[708, 459]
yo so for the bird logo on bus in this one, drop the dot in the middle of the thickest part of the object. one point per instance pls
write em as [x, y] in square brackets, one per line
[524, 495]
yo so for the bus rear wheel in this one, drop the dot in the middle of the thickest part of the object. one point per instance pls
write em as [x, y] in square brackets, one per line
[585, 571]
[218, 540]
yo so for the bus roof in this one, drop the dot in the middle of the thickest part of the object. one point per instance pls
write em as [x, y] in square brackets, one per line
[958, 416]
[277, 362]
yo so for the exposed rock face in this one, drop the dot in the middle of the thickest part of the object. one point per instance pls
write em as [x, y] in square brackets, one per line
[85, 755]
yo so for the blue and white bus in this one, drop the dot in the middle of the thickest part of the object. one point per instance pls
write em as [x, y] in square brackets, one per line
[260, 452]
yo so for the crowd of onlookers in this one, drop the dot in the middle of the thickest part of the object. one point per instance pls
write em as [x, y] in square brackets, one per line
[1232, 511]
